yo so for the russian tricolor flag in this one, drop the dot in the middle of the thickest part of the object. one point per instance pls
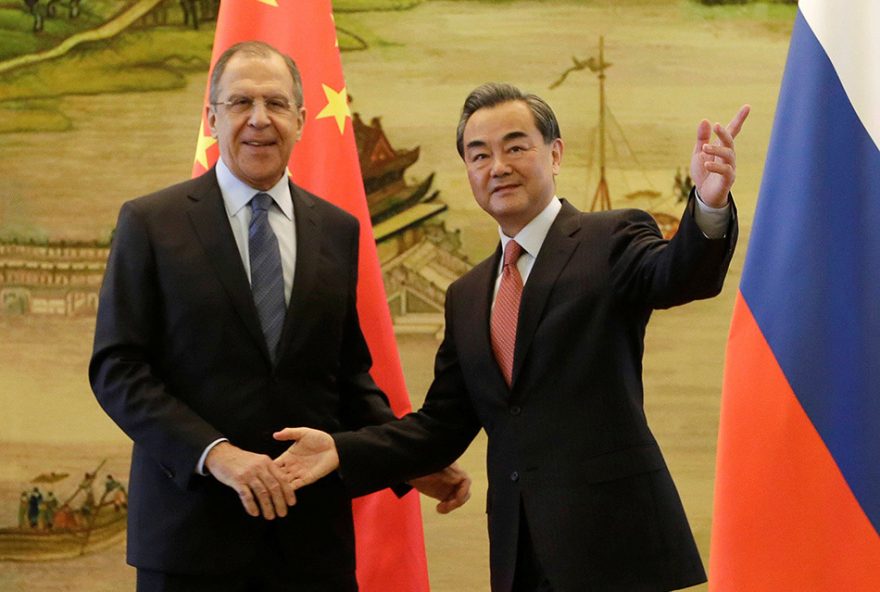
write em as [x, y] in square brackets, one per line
[797, 495]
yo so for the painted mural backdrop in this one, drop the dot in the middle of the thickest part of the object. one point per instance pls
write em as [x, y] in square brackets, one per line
[100, 103]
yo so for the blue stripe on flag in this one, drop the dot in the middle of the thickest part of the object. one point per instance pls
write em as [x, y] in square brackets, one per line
[812, 273]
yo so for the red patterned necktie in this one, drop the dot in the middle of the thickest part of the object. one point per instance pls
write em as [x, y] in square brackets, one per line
[506, 311]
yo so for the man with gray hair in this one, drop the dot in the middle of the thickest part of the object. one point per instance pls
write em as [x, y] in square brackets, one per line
[228, 311]
[543, 349]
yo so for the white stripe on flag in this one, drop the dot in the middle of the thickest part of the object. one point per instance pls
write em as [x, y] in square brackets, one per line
[849, 31]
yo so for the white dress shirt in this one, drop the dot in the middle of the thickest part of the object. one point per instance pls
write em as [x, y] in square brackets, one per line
[236, 197]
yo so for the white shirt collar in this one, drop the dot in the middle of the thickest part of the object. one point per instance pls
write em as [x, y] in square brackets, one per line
[532, 236]
[236, 193]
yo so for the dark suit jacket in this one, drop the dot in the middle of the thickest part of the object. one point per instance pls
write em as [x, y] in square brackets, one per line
[568, 442]
[180, 360]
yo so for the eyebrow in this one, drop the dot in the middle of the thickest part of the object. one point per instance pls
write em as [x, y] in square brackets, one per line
[514, 136]
[507, 137]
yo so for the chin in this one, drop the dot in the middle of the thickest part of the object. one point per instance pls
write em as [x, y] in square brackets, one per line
[265, 177]
[509, 208]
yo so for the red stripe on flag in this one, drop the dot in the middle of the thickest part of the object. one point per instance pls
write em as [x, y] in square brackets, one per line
[384, 539]
[785, 518]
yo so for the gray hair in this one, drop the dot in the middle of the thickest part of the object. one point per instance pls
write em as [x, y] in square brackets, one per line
[495, 93]
[258, 49]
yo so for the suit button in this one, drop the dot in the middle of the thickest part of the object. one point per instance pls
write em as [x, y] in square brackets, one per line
[515, 410]
[514, 476]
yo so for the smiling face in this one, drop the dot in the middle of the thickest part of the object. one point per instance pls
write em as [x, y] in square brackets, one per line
[256, 144]
[510, 167]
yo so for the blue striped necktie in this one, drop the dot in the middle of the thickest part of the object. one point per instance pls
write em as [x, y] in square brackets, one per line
[267, 280]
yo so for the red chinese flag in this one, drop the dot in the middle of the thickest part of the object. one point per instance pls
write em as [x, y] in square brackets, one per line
[390, 543]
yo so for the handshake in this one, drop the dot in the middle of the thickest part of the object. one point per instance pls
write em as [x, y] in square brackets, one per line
[267, 487]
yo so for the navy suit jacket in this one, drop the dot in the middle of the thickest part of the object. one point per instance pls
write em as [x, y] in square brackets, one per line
[180, 360]
[568, 442]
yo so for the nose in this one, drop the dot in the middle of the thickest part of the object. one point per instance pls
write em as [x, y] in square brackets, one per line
[259, 116]
[500, 166]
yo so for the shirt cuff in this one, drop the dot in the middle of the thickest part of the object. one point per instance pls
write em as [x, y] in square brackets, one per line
[200, 466]
[713, 222]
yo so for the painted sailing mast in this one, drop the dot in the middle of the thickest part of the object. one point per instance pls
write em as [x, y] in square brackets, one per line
[602, 197]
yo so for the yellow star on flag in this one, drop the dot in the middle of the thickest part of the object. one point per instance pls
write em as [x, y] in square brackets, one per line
[202, 146]
[337, 106]
[269, 2]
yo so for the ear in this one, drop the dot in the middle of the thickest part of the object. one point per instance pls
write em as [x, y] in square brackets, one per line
[211, 116]
[556, 149]
[300, 122]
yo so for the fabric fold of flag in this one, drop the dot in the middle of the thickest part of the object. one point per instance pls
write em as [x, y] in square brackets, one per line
[389, 536]
[797, 494]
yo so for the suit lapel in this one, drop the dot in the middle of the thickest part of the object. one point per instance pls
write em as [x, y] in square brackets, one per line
[555, 252]
[308, 241]
[208, 217]
[476, 348]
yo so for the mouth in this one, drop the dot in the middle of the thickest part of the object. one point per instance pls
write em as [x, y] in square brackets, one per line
[504, 188]
[259, 143]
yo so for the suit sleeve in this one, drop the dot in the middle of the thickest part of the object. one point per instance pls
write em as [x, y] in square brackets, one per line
[419, 443]
[127, 339]
[646, 269]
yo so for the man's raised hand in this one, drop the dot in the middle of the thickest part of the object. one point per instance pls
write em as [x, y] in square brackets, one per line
[713, 164]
